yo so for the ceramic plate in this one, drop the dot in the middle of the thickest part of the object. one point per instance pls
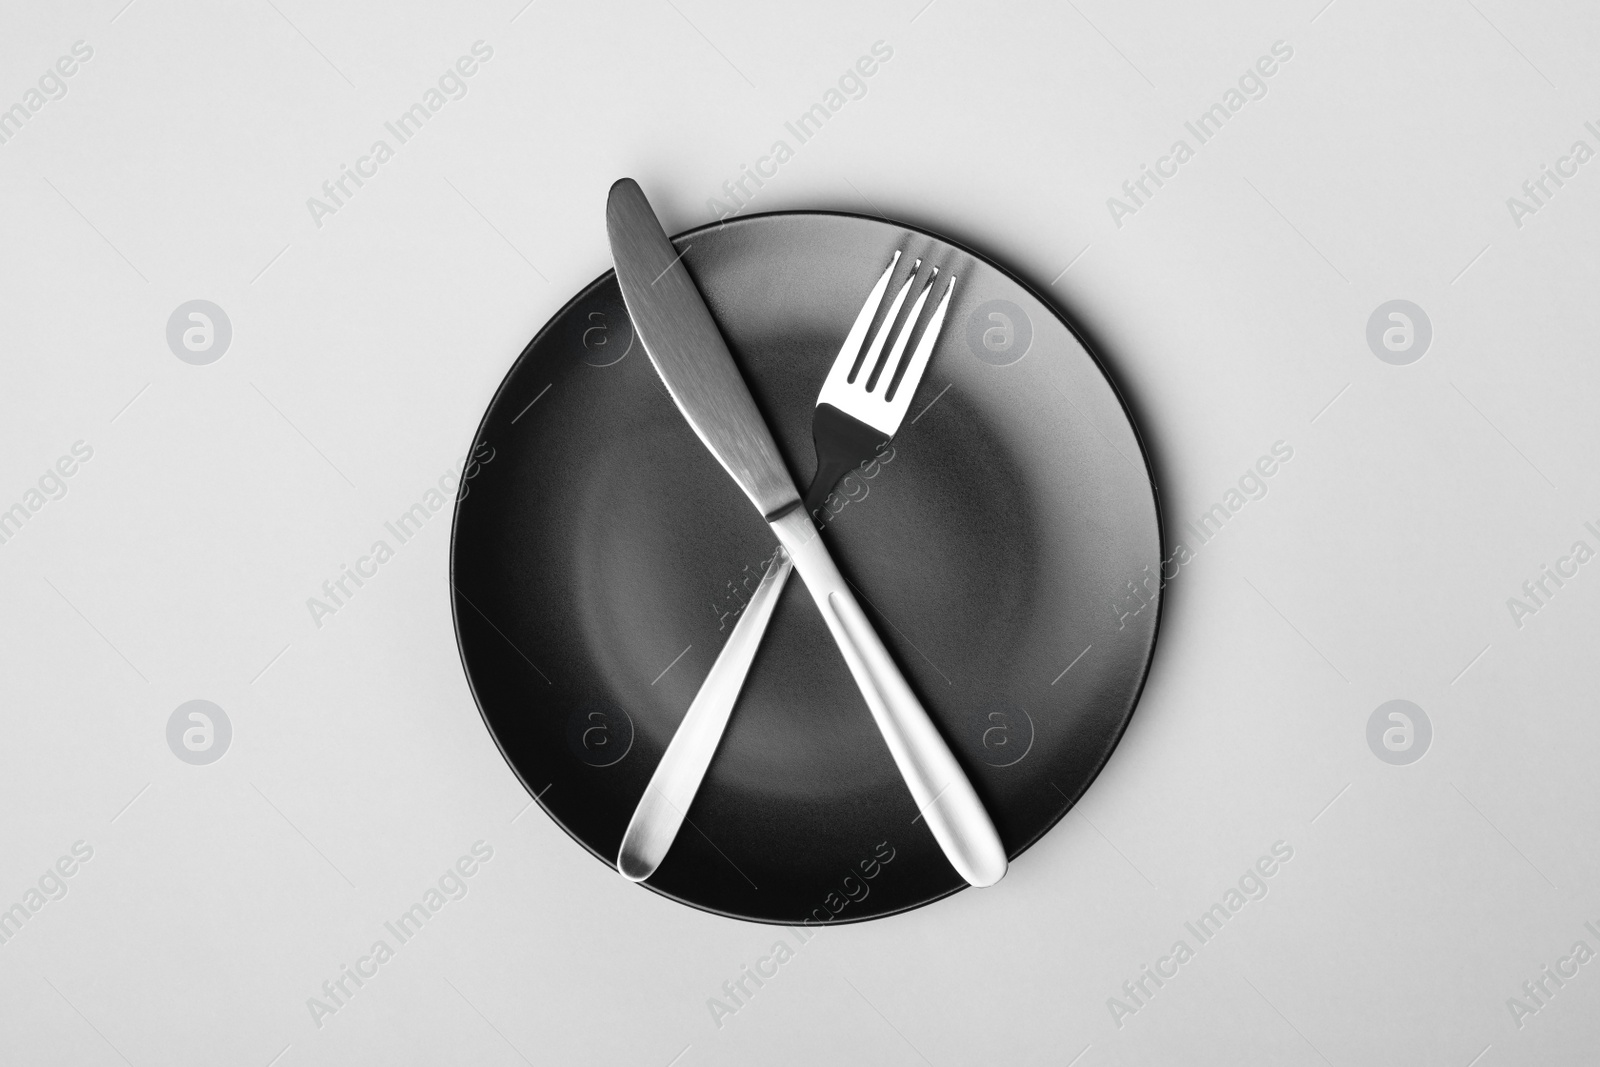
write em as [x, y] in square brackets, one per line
[601, 556]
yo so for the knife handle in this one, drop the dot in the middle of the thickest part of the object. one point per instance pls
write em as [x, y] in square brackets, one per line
[939, 787]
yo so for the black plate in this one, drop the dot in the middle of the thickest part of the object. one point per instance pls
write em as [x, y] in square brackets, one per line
[600, 550]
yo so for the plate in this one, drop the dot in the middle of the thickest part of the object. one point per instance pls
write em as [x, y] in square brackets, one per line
[1006, 547]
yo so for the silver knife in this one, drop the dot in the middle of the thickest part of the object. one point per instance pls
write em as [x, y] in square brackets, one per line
[688, 351]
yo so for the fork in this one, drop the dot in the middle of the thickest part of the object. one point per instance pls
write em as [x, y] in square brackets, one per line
[863, 401]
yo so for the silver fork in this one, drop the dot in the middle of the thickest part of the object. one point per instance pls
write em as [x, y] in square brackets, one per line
[862, 404]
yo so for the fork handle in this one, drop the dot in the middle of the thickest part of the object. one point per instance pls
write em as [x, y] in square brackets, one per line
[676, 779]
[958, 820]
[843, 444]
[938, 786]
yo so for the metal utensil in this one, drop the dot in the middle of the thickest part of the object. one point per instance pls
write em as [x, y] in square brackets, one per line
[694, 363]
[863, 401]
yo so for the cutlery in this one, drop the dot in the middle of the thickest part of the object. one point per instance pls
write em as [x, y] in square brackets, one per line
[861, 406]
[688, 352]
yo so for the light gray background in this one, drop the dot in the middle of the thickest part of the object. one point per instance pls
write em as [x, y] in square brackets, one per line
[1232, 310]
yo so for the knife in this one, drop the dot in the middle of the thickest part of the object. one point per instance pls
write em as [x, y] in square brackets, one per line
[684, 345]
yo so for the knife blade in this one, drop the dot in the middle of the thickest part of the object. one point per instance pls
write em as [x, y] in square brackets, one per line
[686, 348]
[688, 352]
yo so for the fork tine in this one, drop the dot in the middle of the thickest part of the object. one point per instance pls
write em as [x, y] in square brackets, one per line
[888, 376]
[900, 399]
[850, 352]
[870, 362]
[875, 387]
